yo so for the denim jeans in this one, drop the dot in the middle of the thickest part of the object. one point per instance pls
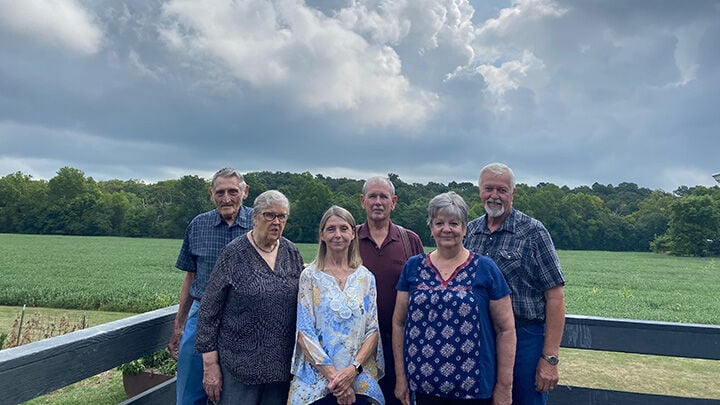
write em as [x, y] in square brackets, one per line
[530, 340]
[189, 389]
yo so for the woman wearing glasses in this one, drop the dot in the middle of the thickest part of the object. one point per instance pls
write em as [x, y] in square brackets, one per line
[246, 322]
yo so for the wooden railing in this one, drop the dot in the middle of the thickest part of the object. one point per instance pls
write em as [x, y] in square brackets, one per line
[38, 368]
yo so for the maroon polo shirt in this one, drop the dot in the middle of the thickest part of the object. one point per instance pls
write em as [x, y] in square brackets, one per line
[386, 263]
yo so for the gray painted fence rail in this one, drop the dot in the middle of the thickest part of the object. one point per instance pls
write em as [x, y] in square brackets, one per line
[38, 368]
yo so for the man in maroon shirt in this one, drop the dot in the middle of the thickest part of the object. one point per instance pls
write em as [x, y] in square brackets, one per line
[384, 248]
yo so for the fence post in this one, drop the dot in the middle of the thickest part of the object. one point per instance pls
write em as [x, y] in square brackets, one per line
[22, 317]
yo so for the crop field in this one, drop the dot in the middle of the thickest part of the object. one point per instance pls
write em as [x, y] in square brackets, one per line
[124, 275]
[138, 275]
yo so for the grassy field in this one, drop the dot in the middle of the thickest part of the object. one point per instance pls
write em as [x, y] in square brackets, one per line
[124, 275]
[138, 275]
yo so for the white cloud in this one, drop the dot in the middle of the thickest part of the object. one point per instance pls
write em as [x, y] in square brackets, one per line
[300, 54]
[55, 22]
[510, 74]
[566, 92]
[522, 11]
[144, 70]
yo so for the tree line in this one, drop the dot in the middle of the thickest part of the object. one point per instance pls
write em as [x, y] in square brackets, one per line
[598, 217]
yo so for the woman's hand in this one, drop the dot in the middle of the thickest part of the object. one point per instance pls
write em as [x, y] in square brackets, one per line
[502, 394]
[402, 393]
[346, 397]
[212, 381]
[342, 380]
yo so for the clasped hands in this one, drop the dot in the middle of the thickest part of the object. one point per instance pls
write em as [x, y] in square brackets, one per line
[341, 385]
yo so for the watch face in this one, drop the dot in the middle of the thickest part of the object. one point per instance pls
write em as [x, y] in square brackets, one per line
[552, 359]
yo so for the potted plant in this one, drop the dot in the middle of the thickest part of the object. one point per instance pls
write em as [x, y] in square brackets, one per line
[146, 372]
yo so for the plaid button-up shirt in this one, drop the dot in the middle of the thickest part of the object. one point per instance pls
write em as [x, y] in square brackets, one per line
[206, 235]
[524, 251]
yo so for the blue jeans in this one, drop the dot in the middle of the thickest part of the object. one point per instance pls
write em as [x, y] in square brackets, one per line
[530, 339]
[190, 367]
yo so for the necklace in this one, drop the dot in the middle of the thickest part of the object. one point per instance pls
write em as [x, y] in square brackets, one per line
[257, 245]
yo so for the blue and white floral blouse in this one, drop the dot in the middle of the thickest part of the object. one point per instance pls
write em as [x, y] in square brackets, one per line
[333, 324]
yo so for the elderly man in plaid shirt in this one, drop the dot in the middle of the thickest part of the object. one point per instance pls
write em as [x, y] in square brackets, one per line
[206, 235]
[524, 252]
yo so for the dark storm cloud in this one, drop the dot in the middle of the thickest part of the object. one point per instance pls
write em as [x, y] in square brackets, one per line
[565, 92]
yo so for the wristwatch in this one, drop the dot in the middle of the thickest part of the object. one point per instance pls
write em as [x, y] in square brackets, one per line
[554, 360]
[358, 366]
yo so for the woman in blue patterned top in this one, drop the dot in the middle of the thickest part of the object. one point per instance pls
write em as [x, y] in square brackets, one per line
[338, 358]
[453, 325]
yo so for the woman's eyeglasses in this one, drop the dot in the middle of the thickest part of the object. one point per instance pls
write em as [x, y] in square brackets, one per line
[270, 216]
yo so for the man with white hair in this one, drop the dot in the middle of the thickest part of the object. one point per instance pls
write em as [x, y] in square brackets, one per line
[206, 235]
[524, 251]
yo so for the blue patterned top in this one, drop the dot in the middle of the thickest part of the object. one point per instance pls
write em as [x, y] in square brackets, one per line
[449, 345]
[205, 236]
[525, 253]
[334, 324]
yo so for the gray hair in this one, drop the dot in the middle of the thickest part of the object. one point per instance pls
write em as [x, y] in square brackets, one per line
[499, 169]
[268, 199]
[228, 172]
[379, 179]
[450, 204]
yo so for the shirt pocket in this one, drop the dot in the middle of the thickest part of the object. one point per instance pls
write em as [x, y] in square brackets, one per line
[510, 263]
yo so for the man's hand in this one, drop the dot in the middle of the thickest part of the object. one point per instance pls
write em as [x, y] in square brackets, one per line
[174, 343]
[212, 381]
[546, 376]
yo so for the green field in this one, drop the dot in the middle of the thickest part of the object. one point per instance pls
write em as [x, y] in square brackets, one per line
[138, 275]
[125, 275]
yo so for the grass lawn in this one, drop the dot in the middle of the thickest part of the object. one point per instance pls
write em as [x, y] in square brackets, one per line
[121, 276]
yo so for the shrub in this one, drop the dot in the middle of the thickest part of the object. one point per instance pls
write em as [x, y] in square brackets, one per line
[159, 362]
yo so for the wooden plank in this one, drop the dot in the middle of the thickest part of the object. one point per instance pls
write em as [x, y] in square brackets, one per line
[569, 395]
[642, 337]
[160, 394]
[37, 368]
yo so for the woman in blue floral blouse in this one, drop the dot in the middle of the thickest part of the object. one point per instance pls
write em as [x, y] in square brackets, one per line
[338, 358]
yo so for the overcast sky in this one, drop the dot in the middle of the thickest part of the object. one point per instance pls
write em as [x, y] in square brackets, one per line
[567, 92]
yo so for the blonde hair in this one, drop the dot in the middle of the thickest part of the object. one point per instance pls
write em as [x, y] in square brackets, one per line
[353, 255]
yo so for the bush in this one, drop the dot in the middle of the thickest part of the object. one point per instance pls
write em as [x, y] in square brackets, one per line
[159, 362]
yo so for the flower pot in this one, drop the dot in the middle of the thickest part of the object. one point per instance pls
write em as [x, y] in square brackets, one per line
[143, 381]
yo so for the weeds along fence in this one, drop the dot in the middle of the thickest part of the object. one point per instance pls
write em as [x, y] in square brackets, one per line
[37, 368]
[31, 328]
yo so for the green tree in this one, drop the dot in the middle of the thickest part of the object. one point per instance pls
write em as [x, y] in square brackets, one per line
[314, 199]
[74, 205]
[649, 221]
[589, 218]
[23, 204]
[694, 228]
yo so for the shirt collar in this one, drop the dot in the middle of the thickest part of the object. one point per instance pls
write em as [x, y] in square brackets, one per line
[240, 219]
[364, 231]
[508, 224]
